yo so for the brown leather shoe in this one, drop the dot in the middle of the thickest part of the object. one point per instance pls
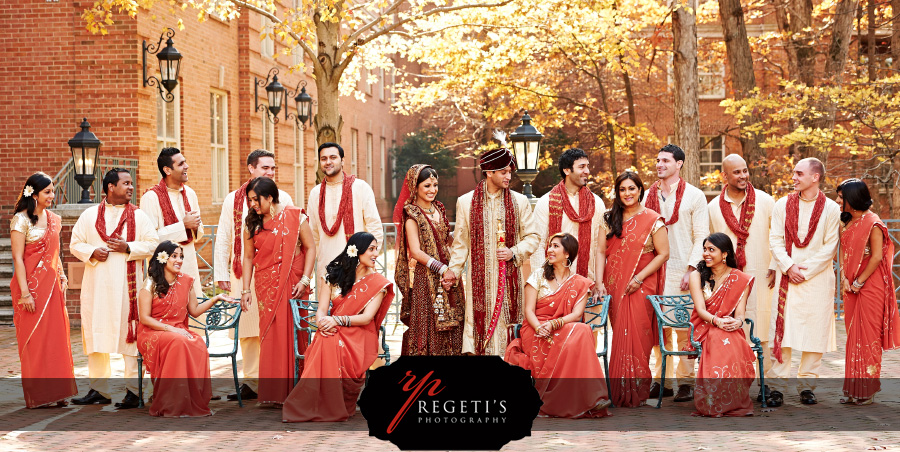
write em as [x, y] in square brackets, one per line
[685, 393]
[654, 391]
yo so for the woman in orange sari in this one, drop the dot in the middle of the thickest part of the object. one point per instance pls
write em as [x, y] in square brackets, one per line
[281, 253]
[346, 342]
[176, 357]
[720, 291]
[554, 344]
[870, 306]
[39, 302]
[631, 259]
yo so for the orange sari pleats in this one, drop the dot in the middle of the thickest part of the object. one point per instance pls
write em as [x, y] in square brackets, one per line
[870, 316]
[278, 267]
[178, 366]
[48, 374]
[336, 365]
[568, 375]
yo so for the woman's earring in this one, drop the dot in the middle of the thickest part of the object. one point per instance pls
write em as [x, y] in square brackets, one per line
[568, 262]
[272, 210]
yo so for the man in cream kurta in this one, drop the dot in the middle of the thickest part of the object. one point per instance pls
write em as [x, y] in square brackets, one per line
[175, 175]
[578, 173]
[496, 182]
[809, 309]
[260, 163]
[365, 211]
[759, 259]
[685, 251]
[104, 287]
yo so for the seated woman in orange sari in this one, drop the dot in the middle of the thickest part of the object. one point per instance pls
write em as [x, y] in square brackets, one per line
[280, 253]
[176, 357]
[870, 306]
[553, 342]
[720, 291]
[632, 250]
[38, 291]
[346, 342]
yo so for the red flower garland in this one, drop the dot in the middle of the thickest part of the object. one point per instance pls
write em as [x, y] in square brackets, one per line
[345, 210]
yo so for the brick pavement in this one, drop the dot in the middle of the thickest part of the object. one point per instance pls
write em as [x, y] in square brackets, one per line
[826, 426]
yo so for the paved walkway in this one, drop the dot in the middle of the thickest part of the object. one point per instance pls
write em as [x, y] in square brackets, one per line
[826, 426]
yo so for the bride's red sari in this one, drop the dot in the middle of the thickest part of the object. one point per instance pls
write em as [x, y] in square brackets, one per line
[870, 316]
[278, 266]
[48, 375]
[726, 361]
[336, 365]
[178, 366]
[632, 317]
[568, 376]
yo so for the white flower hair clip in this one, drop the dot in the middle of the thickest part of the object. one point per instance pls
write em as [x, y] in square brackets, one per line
[162, 257]
[28, 191]
[352, 251]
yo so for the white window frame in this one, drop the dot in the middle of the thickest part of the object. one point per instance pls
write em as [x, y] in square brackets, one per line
[164, 140]
[268, 132]
[715, 78]
[711, 165]
[299, 166]
[354, 151]
[370, 150]
[267, 44]
[219, 151]
[384, 166]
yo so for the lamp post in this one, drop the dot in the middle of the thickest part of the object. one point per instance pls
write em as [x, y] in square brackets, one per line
[304, 103]
[526, 142]
[169, 65]
[85, 152]
[275, 93]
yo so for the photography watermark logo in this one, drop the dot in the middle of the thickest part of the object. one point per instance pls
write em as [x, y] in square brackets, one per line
[450, 403]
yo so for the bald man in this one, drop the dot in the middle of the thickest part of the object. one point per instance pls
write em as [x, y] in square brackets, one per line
[744, 213]
[803, 238]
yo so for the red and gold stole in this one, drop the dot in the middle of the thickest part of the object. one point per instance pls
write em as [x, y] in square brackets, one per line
[791, 228]
[722, 303]
[240, 197]
[345, 210]
[740, 228]
[623, 254]
[653, 199]
[479, 261]
[126, 220]
[165, 204]
[854, 240]
[559, 204]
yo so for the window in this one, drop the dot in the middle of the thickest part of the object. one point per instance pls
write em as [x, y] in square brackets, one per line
[297, 52]
[218, 131]
[712, 80]
[267, 44]
[370, 79]
[268, 133]
[393, 83]
[381, 86]
[299, 170]
[168, 121]
[370, 145]
[384, 171]
[354, 150]
[711, 151]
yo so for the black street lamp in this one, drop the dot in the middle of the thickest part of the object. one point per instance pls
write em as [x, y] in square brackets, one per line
[85, 152]
[304, 105]
[169, 66]
[275, 93]
[526, 142]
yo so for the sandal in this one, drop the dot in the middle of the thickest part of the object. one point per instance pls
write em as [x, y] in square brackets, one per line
[861, 402]
[847, 400]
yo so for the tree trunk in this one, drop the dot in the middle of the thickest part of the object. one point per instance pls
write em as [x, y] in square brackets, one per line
[743, 81]
[870, 15]
[327, 121]
[687, 102]
[632, 119]
[610, 128]
[794, 19]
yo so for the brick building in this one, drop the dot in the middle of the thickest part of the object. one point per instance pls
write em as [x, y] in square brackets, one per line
[58, 73]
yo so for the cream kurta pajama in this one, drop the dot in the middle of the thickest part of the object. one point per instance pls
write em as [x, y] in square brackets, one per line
[542, 226]
[809, 308]
[685, 248]
[461, 255]
[223, 257]
[365, 218]
[104, 292]
[759, 261]
[175, 231]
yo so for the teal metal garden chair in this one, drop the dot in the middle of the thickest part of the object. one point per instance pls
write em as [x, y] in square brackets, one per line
[599, 320]
[672, 311]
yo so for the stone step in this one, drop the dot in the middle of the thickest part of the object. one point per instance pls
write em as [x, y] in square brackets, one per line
[6, 258]
[5, 301]
[6, 316]
[5, 245]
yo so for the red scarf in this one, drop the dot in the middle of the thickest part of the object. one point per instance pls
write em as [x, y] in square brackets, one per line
[126, 220]
[165, 204]
[345, 209]
[741, 229]
[240, 197]
[559, 203]
[653, 200]
[479, 262]
[791, 227]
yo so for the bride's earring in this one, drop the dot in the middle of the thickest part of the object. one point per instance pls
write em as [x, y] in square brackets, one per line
[272, 210]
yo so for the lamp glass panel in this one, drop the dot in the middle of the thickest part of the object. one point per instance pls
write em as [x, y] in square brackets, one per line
[84, 160]
[533, 147]
[519, 151]
[275, 98]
